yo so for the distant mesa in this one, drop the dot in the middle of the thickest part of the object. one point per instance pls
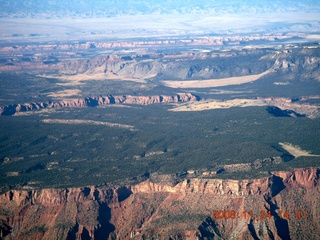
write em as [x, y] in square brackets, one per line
[13, 109]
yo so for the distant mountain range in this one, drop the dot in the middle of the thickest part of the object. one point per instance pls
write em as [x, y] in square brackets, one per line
[108, 8]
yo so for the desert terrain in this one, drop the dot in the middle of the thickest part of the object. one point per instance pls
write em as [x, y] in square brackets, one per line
[159, 120]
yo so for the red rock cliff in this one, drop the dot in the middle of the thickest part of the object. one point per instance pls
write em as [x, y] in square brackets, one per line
[162, 211]
[98, 101]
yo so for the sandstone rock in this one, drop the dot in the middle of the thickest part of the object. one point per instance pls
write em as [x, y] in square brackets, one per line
[98, 101]
[149, 209]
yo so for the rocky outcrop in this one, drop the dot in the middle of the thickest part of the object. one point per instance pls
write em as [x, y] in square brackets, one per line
[98, 101]
[156, 66]
[156, 210]
[209, 186]
[285, 107]
[207, 40]
[66, 63]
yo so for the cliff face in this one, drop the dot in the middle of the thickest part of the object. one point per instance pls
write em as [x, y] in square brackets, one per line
[98, 101]
[180, 211]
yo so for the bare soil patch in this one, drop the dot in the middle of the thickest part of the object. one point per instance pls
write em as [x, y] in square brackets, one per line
[296, 151]
[65, 93]
[215, 82]
[214, 104]
[90, 122]
[76, 78]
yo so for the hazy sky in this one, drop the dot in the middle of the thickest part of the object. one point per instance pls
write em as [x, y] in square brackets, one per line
[93, 19]
[116, 7]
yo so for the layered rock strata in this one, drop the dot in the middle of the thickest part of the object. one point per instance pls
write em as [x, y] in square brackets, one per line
[152, 210]
[98, 101]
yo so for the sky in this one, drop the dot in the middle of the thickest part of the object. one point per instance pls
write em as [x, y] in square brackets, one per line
[131, 7]
[52, 20]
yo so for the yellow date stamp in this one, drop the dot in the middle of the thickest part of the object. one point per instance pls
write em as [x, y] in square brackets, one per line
[261, 215]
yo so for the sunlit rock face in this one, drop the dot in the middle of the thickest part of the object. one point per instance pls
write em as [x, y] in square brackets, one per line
[98, 101]
[282, 205]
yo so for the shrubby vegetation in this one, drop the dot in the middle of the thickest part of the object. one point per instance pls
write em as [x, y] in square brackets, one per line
[63, 155]
[38, 154]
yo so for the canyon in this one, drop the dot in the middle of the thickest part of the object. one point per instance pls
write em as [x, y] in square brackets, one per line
[159, 120]
[166, 209]
[137, 195]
